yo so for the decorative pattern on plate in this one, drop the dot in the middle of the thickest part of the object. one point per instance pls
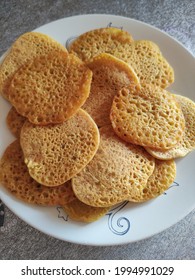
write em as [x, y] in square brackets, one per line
[121, 225]
[69, 41]
[114, 225]
[110, 25]
[117, 225]
[62, 214]
[175, 184]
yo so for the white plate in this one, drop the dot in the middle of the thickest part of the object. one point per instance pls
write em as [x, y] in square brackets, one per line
[127, 222]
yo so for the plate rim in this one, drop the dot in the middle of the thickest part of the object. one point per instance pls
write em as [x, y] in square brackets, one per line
[124, 18]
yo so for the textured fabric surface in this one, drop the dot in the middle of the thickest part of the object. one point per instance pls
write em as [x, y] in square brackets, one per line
[176, 17]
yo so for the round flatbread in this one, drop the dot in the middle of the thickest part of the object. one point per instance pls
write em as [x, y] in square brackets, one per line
[119, 171]
[102, 40]
[15, 177]
[28, 46]
[161, 179]
[149, 64]
[149, 117]
[51, 88]
[56, 153]
[109, 76]
[187, 142]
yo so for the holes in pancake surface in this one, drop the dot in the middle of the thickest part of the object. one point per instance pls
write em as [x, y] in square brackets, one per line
[148, 117]
[34, 99]
[56, 152]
